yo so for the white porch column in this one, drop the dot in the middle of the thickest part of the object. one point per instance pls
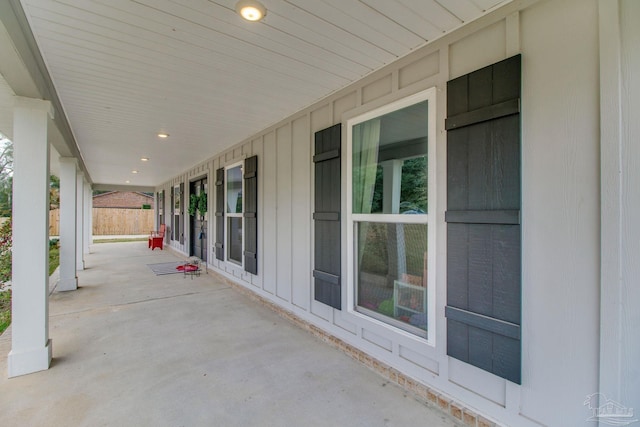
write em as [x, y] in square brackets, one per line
[68, 183]
[30, 343]
[80, 221]
[88, 202]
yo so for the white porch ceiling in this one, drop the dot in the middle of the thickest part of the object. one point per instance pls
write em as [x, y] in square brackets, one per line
[125, 70]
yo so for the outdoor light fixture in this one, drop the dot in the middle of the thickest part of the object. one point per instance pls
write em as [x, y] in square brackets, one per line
[251, 10]
[163, 135]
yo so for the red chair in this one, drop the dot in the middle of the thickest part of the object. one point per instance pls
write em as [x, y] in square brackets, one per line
[156, 238]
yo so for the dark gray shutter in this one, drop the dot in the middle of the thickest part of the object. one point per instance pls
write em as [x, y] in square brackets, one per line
[182, 213]
[483, 219]
[326, 217]
[220, 214]
[250, 215]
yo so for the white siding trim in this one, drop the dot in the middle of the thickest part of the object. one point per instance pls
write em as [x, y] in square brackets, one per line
[611, 203]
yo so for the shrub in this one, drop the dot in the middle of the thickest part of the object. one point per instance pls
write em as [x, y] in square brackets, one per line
[5, 310]
[5, 252]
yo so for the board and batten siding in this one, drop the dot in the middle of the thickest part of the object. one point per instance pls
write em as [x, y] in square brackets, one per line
[560, 209]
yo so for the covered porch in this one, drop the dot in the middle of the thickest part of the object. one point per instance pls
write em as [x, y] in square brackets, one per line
[507, 296]
[133, 348]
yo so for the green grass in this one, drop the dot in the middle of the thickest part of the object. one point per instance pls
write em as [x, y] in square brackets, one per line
[54, 259]
[137, 239]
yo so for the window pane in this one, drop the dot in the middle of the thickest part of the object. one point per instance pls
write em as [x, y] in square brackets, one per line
[390, 162]
[392, 274]
[234, 190]
[234, 235]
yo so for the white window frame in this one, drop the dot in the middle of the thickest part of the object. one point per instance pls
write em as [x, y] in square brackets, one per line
[228, 215]
[429, 219]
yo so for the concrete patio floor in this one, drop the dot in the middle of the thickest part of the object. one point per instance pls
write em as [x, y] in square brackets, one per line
[134, 349]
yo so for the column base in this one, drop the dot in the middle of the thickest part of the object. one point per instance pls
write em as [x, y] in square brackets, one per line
[30, 361]
[68, 284]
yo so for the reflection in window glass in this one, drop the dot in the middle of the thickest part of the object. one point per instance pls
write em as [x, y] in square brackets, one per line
[390, 162]
[176, 200]
[392, 274]
[234, 235]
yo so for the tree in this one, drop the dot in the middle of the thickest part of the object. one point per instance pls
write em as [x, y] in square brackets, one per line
[6, 175]
[6, 157]
[6, 180]
[54, 192]
[414, 185]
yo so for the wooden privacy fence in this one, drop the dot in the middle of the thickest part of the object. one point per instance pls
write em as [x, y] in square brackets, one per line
[111, 221]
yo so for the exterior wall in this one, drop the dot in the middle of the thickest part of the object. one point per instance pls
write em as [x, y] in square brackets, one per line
[122, 199]
[558, 41]
[560, 210]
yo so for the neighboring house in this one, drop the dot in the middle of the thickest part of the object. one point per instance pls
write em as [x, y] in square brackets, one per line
[122, 200]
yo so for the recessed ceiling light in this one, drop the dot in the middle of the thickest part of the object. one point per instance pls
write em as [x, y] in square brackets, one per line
[134, 171]
[144, 159]
[127, 181]
[163, 135]
[251, 10]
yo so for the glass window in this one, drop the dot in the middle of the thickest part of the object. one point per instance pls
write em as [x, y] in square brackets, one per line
[234, 190]
[392, 273]
[235, 220]
[391, 177]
